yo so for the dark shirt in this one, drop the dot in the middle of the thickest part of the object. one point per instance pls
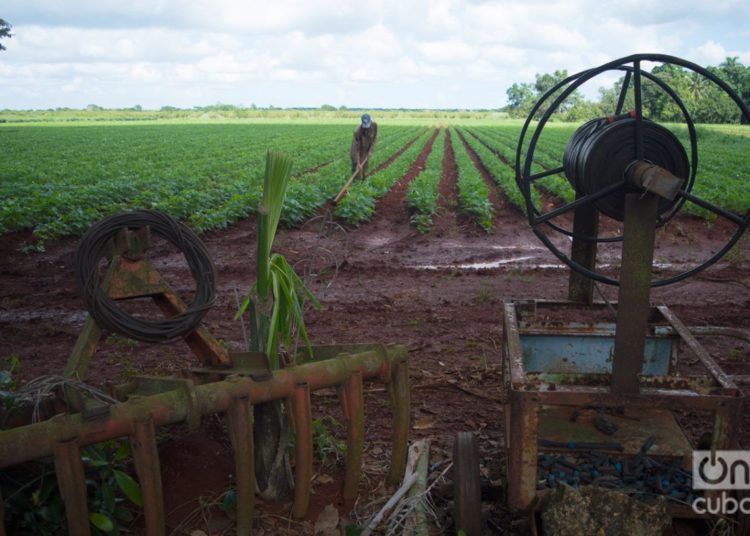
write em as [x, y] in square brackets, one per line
[363, 141]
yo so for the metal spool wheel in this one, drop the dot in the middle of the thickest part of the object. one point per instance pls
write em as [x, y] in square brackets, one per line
[599, 153]
[467, 491]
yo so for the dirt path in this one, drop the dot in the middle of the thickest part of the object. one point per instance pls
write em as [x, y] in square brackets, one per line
[392, 208]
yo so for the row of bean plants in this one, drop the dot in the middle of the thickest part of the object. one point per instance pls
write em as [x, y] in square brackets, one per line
[499, 141]
[423, 190]
[309, 192]
[501, 173]
[57, 180]
[359, 203]
[473, 194]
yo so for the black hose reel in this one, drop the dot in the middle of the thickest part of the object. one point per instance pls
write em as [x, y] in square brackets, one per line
[609, 157]
[96, 245]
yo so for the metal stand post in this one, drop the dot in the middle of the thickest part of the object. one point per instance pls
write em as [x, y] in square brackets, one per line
[635, 287]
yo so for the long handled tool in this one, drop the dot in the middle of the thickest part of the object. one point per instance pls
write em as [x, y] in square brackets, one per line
[349, 182]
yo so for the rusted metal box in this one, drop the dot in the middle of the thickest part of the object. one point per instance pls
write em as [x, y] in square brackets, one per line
[558, 358]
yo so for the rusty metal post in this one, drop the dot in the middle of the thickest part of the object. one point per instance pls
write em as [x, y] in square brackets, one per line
[354, 408]
[71, 480]
[147, 467]
[635, 290]
[586, 223]
[241, 434]
[303, 444]
[522, 450]
[398, 390]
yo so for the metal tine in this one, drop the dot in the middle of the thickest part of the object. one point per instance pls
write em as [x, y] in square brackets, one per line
[148, 468]
[304, 449]
[354, 411]
[72, 482]
[398, 389]
[241, 434]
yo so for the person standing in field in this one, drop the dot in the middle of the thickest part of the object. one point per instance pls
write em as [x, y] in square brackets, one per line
[363, 144]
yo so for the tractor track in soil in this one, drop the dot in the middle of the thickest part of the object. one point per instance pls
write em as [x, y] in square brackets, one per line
[388, 283]
[446, 218]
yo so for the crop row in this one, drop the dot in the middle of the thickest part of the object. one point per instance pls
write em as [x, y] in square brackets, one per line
[307, 194]
[473, 194]
[499, 141]
[359, 203]
[421, 197]
[501, 173]
[57, 180]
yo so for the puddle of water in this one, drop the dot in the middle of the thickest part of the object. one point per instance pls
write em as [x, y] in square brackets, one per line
[76, 317]
[485, 265]
[488, 265]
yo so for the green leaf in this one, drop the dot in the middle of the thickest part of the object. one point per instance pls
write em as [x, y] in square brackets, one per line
[108, 496]
[123, 451]
[123, 514]
[101, 521]
[129, 487]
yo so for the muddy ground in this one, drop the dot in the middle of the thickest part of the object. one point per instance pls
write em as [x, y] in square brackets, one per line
[440, 294]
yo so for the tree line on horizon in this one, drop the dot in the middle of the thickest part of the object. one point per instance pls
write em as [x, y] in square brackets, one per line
[704, 100]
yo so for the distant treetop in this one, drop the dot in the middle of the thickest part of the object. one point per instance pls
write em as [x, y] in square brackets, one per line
[4, 32]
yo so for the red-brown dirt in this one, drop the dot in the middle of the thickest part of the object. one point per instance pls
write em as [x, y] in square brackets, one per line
[439, 294]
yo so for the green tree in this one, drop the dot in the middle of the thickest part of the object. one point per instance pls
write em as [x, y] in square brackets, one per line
[520, 99]
[4, 32]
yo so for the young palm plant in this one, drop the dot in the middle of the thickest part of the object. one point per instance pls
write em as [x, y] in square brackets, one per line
[275, 309]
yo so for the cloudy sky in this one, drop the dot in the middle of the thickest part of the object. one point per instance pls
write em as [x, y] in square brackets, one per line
[382, 53]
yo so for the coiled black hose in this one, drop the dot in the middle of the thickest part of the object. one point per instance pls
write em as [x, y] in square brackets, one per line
[92, 248]
[600, 151]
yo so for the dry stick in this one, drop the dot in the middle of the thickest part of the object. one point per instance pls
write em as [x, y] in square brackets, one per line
[422, 453]
[349, 182]
[422, 498]
[375, 521]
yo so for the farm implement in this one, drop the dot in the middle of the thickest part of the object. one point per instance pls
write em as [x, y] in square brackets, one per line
[595, 388]
[222, 382]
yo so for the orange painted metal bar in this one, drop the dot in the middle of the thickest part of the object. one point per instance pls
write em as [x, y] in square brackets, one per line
[354, 408]
[146, 458]
[72, 482]
[37, 440]
[241, 434]
[303, 445]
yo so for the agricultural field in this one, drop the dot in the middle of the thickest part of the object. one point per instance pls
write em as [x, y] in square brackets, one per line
[57, 179]
[423, 253]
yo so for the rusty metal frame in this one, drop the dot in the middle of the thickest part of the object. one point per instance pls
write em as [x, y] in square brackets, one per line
[527, 393]
[64, 435]
[225, 383]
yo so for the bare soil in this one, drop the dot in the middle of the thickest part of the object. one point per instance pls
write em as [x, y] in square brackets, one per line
[440, 294]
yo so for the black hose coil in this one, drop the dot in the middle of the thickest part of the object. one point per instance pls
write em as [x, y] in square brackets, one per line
[92, 248]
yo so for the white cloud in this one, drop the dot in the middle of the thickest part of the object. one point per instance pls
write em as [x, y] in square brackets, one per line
[456, 53]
